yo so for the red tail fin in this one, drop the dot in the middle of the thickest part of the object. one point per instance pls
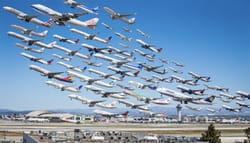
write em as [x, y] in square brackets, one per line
[136, 73]
[125, 113]
[76, 41]
[159, 50]
[50, 61]
[92, 22]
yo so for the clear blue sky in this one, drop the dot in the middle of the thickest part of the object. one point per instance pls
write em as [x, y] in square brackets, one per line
[210, 37]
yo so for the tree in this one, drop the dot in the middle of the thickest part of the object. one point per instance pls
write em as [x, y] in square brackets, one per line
[211, 135]
[247, 132]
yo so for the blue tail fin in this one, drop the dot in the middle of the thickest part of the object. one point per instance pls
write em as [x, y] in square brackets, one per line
[80, 87]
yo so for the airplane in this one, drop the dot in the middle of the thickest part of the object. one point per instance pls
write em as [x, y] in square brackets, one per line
[59, 17]
[71, 67]
[213, 110]
[104, 93]
[148, 56]
[108, 106]
[147, 46]
[193, 108]
[206, 101]
[30, 49]
[160, 101]
[228, 96]
[132, 105]
[97, 50]
[63, 39]
[198, 77]
[229, 108]
[61, 57]
[123, 72]
[121, 57]
[124, 46]
[132, 67]
[217, 88]
[89, 80]
[35, 59]
[144, 98]
[107, 26]
[152, 114]
[64, 87]
[243, 104]
[71, 52]
[27, 18]
[104, 75]
[122, 17]
[175, 71]
[91, 36]
[163, 60]
[243, 94]
[92, 63]
[183, 81]
[118, 51]
[95, 89]
[177, 64]
[29, 31]
[143, 34]
[30, 41]
[124, 87]
[122, 37]
[191, 91]
[126, 30]
[37, 120]
[166, 79]
[109, 114]
[74, 4]
[149, 67]
[225, 100]
[104, 57]
[91, 103]
[142, 86]
[152, 80]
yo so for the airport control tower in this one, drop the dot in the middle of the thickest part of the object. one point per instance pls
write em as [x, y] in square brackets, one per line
[179, 107]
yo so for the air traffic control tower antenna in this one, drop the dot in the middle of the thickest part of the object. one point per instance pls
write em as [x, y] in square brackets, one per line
[179, 107]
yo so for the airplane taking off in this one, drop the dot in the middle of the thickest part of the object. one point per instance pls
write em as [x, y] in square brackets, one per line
[243, 104]
[193, 108]
[74, 4]
[148, 56]
[104, 75]
[123, 72]
[147, 46]
[91, 36]
[109, 114]
[63, 39]
[64, 87]
[71, 67]
[199, 77]
[92, 63]
[142, 86]
[108, 106]
[59, 17]
[143, 34]
[97, 50]
[217, 88]
[35, 59]
[30, 49]
[30, 31]
[206, 101]
[228, 96]
[61, 57]
[243, 94]
[71, 52]
[229, 108]
[163, 60]
[126, 30]
[177, 64]
[132, 105]
[124, 87]
[175, 70]
[183, 81]
[91, 103]
[124, 46]
[213, 110]
[166, 79]
[28, 18]
[30, 41]
[191, 91]
[122, 37]
[123, 52]
[149, 67]
[44, 72]
[122, 17]
[107, 26]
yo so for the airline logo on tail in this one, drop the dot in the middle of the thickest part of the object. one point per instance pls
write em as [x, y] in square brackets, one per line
[159, 50]
[67, 79]
[92, 22]
[210, 99]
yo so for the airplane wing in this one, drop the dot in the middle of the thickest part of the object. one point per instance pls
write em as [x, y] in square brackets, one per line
[92, 103]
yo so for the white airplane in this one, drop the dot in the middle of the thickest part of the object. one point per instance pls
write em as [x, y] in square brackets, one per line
[217, 88]
[104, 93]
[28, 18]
[97, 50]
[125, 58]
[108, 106]
[95, 89]
[74, 4]
[44, 72]
[92, 63]
[243, 104]
[35, 59]
[104, 75]
[143, 34]
[124, 46]
[149, 67]
[213, 110]
[132, 67]
[152, 114]
[148, 56]
[177, 64]
[183, 81]
[147, 46]
[228, 96]
[122, 17]
[104, 57]
[122, 37]
[199, 77]
[30, 41]
[72, 52]
[124, 87]
[61, 57]
[29, 31]
[107, 26]
[163, 60]
[193, 108]
[37, 120]
[89, 80]
[123, 72]
[243, 94]
[63, 39]
[61, 18]
[109, 114]
[166, 79]
[64, 87]
[126, 30]
[191, 91]
[174, 70]
[71, 67]
[161, 102]
[132, 105]
[91, 36]
[231, 108]
[30, 49]
[118, 51]
[152, 80]
[91, 103]
[225, 100]
[206, 101]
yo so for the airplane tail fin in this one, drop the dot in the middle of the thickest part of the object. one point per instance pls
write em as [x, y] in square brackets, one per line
[68, 78]
[44, 33]
[136, 73]
[159, 50]
[80, 87]
[95, 9]
[210, 99]
[131, 20]
[125, 113]
[152, 87]
[51, 45]
[130, 39]
[50, 61]
[49, 23]
[110, 51]
[84, 68]
[92, 22]
[108, 39]
[76, 41]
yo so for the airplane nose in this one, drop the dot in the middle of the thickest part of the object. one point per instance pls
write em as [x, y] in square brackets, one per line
[6, 8]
